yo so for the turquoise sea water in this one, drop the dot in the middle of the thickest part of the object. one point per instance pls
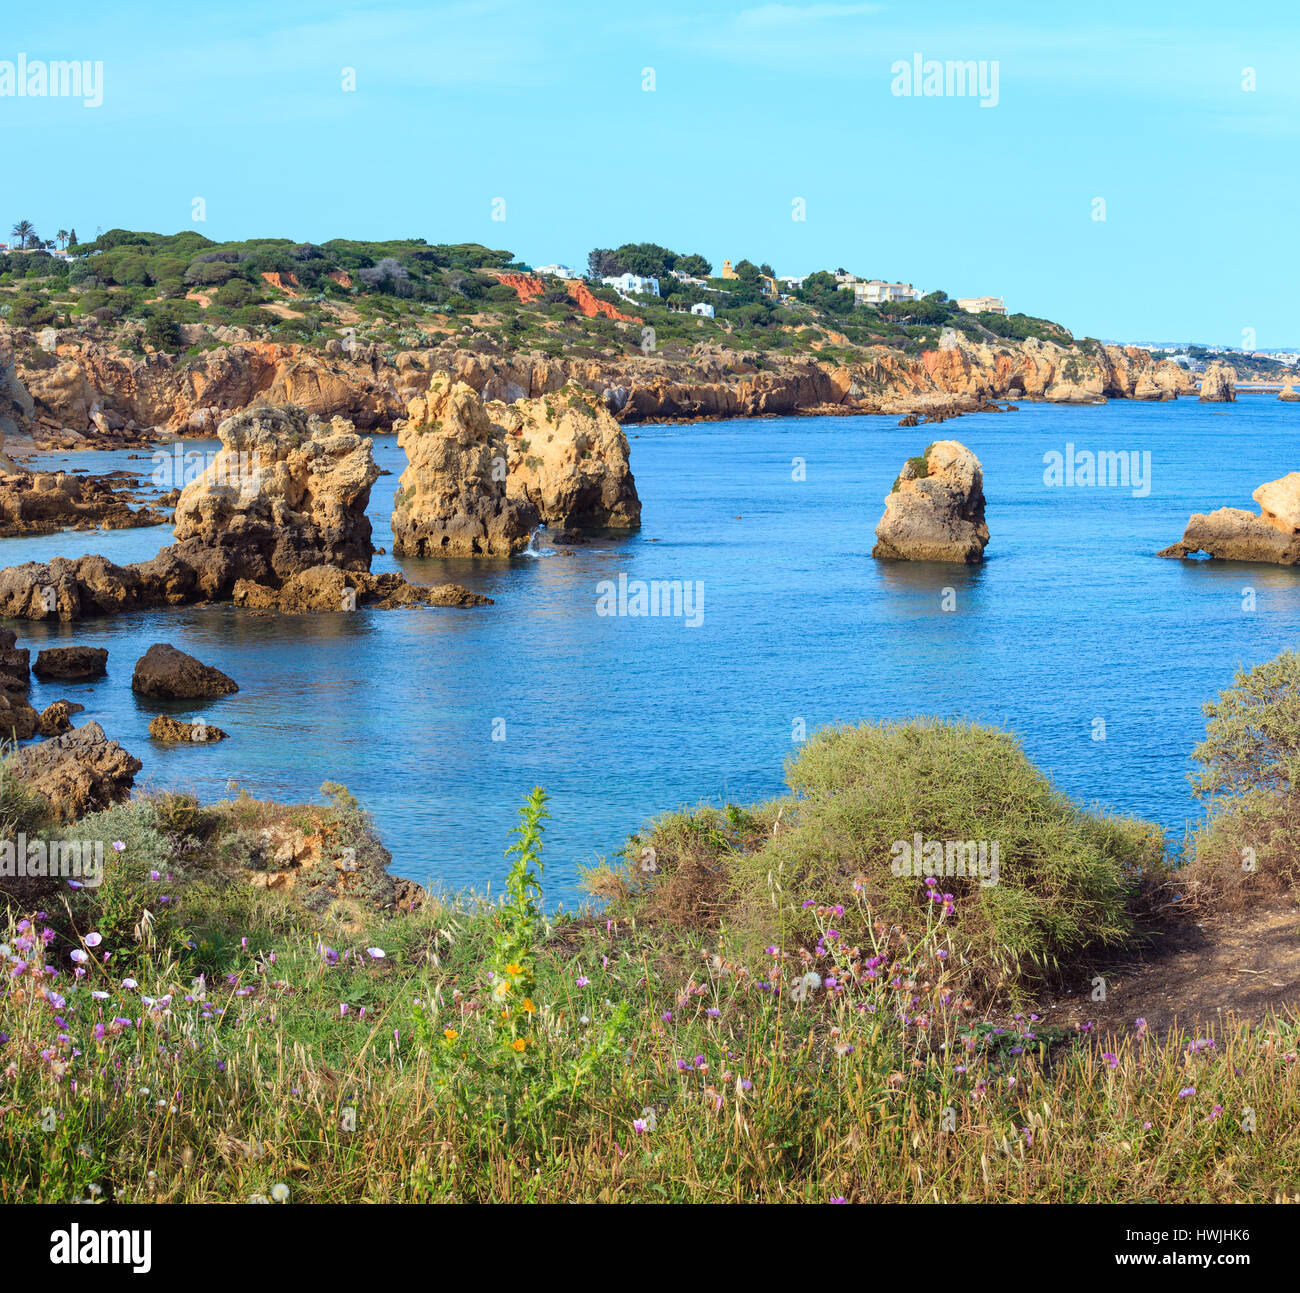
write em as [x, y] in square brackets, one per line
[1071, 619]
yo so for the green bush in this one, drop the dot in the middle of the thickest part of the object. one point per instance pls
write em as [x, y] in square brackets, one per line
[1249, 844]
[1057, 883]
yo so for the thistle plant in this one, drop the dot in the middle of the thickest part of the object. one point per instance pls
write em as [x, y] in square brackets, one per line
[514, 968]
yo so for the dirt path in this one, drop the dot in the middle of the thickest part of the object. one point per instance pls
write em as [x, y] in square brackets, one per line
[1195, 974]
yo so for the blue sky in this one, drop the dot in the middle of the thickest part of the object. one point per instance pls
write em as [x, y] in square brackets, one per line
[753, 106]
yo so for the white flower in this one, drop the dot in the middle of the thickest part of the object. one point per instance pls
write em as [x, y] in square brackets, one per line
[648, 1117]
[280, 1192]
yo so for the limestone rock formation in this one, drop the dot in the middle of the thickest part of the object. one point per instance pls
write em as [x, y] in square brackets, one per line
[57, 718]
[1288, 393]
[284, 493]
[173, 730]
[16, 405]
[453, 500]
[18, 720]
[167, 673]
[482, 476]
[78, 773]
[71, 663]
[43, 502]
[568, 457]
[327, 588]
[935, 511]
[1233, 534]
[1218, 384]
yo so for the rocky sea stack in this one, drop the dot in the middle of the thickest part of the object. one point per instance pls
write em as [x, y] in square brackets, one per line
[482, 477]
[1233, 534]
[1219, 385]
[935, 511]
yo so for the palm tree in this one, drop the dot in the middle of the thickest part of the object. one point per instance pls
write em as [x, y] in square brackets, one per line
[62, 239]
[24, 231]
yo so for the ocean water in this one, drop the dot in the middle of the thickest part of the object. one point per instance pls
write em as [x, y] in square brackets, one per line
[1071, 619]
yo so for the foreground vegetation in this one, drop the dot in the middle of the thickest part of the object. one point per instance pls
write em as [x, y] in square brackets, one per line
[762, 1010]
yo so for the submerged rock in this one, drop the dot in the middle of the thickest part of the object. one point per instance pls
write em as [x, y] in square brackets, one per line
[935, 511]
[171, 730]
[1234, 534]
[78, 773]
[167, 673]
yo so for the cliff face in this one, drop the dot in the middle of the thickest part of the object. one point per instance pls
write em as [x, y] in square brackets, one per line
[88, 388]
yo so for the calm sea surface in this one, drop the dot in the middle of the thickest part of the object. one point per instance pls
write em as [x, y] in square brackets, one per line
[1072, 618]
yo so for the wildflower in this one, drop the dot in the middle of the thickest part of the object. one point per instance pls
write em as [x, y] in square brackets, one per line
[583, 981]
[518, 1044]
[648, 1119]
[1112, 1060]
[514, 968]
[528, 1007]
[639, 1126]
[713, 1012]
[375, 954]
[118, 846]
[280, 1192]
[79, 956]
[450, 1034]
[1186, 1092]
[839, 1198]
[130, 984]
[93, 940]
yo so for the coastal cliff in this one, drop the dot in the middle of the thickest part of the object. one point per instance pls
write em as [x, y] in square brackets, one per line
[75, 387]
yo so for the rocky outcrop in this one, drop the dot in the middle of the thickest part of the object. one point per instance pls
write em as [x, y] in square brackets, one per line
[1218, 384]
[174, 730]
[57, 718]
[567, 456]
[480, 477]
[1288, 393]
[166, 673]
[18, 720]
[1233, 534]
[284, 493]
[17, 407]
[71, 663]
[452, 499]
[80, 772]
[43, 502]
[327, 588]
[935, 511]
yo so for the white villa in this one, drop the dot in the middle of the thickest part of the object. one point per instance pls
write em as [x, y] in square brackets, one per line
[703, 309]
[627, 284]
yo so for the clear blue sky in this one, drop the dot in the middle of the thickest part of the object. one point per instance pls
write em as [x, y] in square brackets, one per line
[754, 105]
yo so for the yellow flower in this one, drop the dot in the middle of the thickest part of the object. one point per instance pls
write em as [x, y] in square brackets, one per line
[502, 988]
[450, 1034]
[529, 1007]
[514, 968]
[505, 1014]
[518, 1044]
